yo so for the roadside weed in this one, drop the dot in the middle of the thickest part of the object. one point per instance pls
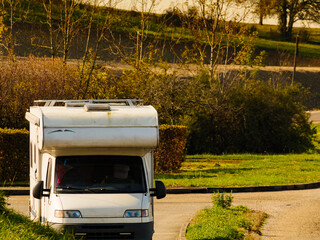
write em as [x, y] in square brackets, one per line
[222, 200]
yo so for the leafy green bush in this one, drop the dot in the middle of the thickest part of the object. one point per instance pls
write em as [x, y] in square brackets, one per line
[170, 153]
[250, 116]
[14, 160]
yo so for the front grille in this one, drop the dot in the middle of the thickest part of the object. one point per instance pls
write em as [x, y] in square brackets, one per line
[106, 235]
[103, 231]
[93, 227]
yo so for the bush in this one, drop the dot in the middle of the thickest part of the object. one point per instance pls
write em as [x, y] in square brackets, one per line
[170, 153]
[3, 202]
[26, 80]
[273, 118]
[251, 116]
[14, 156]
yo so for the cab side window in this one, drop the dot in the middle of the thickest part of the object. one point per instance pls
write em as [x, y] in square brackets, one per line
[49, 171]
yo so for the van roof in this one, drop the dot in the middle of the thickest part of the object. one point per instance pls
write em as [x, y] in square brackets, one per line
[94, 113]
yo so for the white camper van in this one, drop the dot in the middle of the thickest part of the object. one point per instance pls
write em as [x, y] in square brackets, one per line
[91, 167]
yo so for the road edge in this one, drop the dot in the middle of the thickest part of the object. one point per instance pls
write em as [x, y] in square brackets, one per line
[186, 190]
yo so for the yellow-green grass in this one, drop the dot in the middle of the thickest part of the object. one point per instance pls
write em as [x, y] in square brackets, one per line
[240, 170]
[228, 222]
[17, 226]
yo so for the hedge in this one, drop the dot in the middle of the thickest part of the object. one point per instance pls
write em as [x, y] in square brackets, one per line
[14, 156]
[170, 153]
[14, 152]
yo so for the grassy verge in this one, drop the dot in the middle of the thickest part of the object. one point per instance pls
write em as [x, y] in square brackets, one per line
[225, 222]
[305, 49]
[17, 226]
[240, 170]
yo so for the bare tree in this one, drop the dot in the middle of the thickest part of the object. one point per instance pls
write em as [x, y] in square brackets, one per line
[214, 28]
[8, 42]
[70, 24]
[145, 8]
[99, 23]
[48, 5]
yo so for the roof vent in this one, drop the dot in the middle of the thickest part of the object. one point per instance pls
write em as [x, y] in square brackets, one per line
[97, 107]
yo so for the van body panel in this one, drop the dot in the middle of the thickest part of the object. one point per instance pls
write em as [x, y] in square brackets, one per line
[101, 205]
[126, 137]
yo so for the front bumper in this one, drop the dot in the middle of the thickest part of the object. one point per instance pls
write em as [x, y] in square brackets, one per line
[132, 231]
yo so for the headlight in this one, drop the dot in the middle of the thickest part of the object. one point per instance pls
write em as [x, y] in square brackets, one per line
[67, 214]
[136, 213]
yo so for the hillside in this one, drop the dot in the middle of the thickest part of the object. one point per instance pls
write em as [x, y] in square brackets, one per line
[166, 33]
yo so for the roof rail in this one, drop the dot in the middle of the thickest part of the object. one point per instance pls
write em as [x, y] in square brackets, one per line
[81, 103]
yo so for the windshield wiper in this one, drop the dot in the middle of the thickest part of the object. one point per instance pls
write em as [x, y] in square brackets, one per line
[103, 189]
[76, 189]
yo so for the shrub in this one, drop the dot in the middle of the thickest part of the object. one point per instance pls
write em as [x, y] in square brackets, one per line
[222, 200]
[3, 202]
[170, 153]
[273, 118]
[250, 116]
[14, 160]
[26, 80]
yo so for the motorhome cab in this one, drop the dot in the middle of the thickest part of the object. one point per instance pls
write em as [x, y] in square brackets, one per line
[91, 167]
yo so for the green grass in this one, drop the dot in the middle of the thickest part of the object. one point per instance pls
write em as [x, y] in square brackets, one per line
[16, 226]
[305, 49]
[268, 31]
[240, 170]
[225, 223]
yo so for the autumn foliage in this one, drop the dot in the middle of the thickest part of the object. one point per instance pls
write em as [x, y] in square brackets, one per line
[170, 153]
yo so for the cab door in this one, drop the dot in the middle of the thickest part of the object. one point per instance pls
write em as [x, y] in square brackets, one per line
[48, 185]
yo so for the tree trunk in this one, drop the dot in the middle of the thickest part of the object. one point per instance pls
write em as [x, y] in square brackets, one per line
[283, 8]
[261, 19]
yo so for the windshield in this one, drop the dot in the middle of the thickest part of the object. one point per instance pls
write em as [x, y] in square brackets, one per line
[99, 174]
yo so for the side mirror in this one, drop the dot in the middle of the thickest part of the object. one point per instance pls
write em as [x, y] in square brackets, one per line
[38, 191]
[159, 191]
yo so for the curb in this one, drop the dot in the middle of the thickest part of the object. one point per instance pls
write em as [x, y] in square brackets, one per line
[15, 191]
[186, 190]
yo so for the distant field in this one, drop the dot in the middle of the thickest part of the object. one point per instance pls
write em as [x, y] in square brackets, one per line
[271, 32]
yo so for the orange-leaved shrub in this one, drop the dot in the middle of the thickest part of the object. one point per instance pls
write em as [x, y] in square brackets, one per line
[29, 79]
[14, 157]
[170, 153]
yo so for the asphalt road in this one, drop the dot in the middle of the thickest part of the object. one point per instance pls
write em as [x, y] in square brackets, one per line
[315, 116]
[293, 214]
